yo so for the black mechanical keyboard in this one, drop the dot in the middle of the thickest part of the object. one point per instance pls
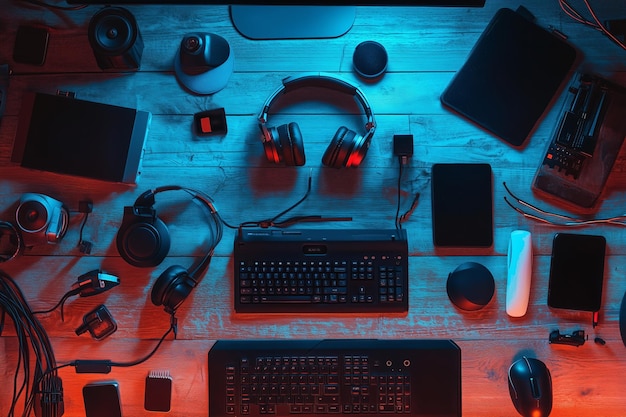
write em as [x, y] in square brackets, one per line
[321, 271]
[340, 376]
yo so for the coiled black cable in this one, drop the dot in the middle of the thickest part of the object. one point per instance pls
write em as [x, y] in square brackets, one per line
[35, 380]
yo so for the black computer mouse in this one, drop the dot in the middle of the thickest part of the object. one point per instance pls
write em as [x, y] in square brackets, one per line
[530, 386]
[470, 286]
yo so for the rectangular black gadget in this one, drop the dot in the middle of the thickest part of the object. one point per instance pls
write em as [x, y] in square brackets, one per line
[102, 399]
[321, 271]
[462, 205]
[576, 272]
[412, 378]
[511, 76]
[78, 137]
[31, 44]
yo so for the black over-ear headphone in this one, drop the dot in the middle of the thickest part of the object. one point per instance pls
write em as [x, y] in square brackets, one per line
[10, 241]
[143, 240]
[283, 144]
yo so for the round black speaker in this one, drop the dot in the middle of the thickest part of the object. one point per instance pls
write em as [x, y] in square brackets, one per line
[115, 39]
[370, 59]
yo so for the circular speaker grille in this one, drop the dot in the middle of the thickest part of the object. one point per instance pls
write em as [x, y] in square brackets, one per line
[112, 30]
[370, 59]
[32, 216]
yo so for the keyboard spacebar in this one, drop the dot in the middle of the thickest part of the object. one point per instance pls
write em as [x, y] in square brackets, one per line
[307, 299]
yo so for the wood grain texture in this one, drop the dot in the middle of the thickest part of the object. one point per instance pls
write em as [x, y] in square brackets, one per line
[425, 46]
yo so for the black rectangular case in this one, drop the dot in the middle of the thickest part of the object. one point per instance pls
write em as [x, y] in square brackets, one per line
[511, 76]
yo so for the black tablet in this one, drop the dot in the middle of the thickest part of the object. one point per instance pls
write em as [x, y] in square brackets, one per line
[511, 76]
[576, 272]
[462, 205]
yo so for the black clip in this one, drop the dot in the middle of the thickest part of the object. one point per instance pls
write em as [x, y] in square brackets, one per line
[577, 338]
[98, 322]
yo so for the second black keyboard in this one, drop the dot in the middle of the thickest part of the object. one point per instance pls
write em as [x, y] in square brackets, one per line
[338, 271]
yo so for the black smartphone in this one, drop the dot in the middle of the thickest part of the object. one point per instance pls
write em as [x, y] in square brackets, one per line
[462, 205]
[102, 399]
[576, 271]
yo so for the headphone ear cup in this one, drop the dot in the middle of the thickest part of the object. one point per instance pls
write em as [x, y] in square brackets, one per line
[271, 145]
[291, 144]
[142, 243]
[172, 287]
[339, 150]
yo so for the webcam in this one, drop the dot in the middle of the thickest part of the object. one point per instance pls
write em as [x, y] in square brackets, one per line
[204, 62]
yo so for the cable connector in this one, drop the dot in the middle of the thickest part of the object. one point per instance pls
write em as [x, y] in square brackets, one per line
[85, 206]
[94, 282]
[403, 147]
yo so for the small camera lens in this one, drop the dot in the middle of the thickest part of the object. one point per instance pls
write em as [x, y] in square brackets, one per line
[192, 43]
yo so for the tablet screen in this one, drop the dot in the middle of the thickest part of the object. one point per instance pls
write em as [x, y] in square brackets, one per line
[462, 205]
[576, 272]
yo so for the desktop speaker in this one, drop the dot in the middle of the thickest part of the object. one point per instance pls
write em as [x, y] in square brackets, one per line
[41, 219]
[115, 39]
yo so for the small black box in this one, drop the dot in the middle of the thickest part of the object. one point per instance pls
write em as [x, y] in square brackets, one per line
[31, 45]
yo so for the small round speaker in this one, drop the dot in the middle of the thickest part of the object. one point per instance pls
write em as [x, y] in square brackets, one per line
[370, 59]
[32, 216]
[115, 39]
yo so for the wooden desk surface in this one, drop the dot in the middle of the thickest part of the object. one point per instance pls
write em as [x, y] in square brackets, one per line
[426, 46]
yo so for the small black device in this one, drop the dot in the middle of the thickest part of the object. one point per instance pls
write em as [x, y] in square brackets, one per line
[403, 147]
[370, 60]
[577, 338]
[470, 286]
[143, 240]
[102, 399]
[115, 39]
[210, 122]
[576, 272]
[284, 143]
[404, 377]
[321, 271]
[98, 322]
[31, 44]
[462, 205]
[530, 387]
[158, 395]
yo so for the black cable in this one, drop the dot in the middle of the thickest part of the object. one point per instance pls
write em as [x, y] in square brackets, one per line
[594, 23]
[36, 364]
[61, 303]
[150, 354]
[274, 221]
[84, 245]
[400, 171]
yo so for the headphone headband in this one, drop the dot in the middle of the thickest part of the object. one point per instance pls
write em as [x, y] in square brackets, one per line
[325, 80]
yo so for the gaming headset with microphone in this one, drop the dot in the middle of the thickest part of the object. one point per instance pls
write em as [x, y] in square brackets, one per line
[284, 144]
[143, 240]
